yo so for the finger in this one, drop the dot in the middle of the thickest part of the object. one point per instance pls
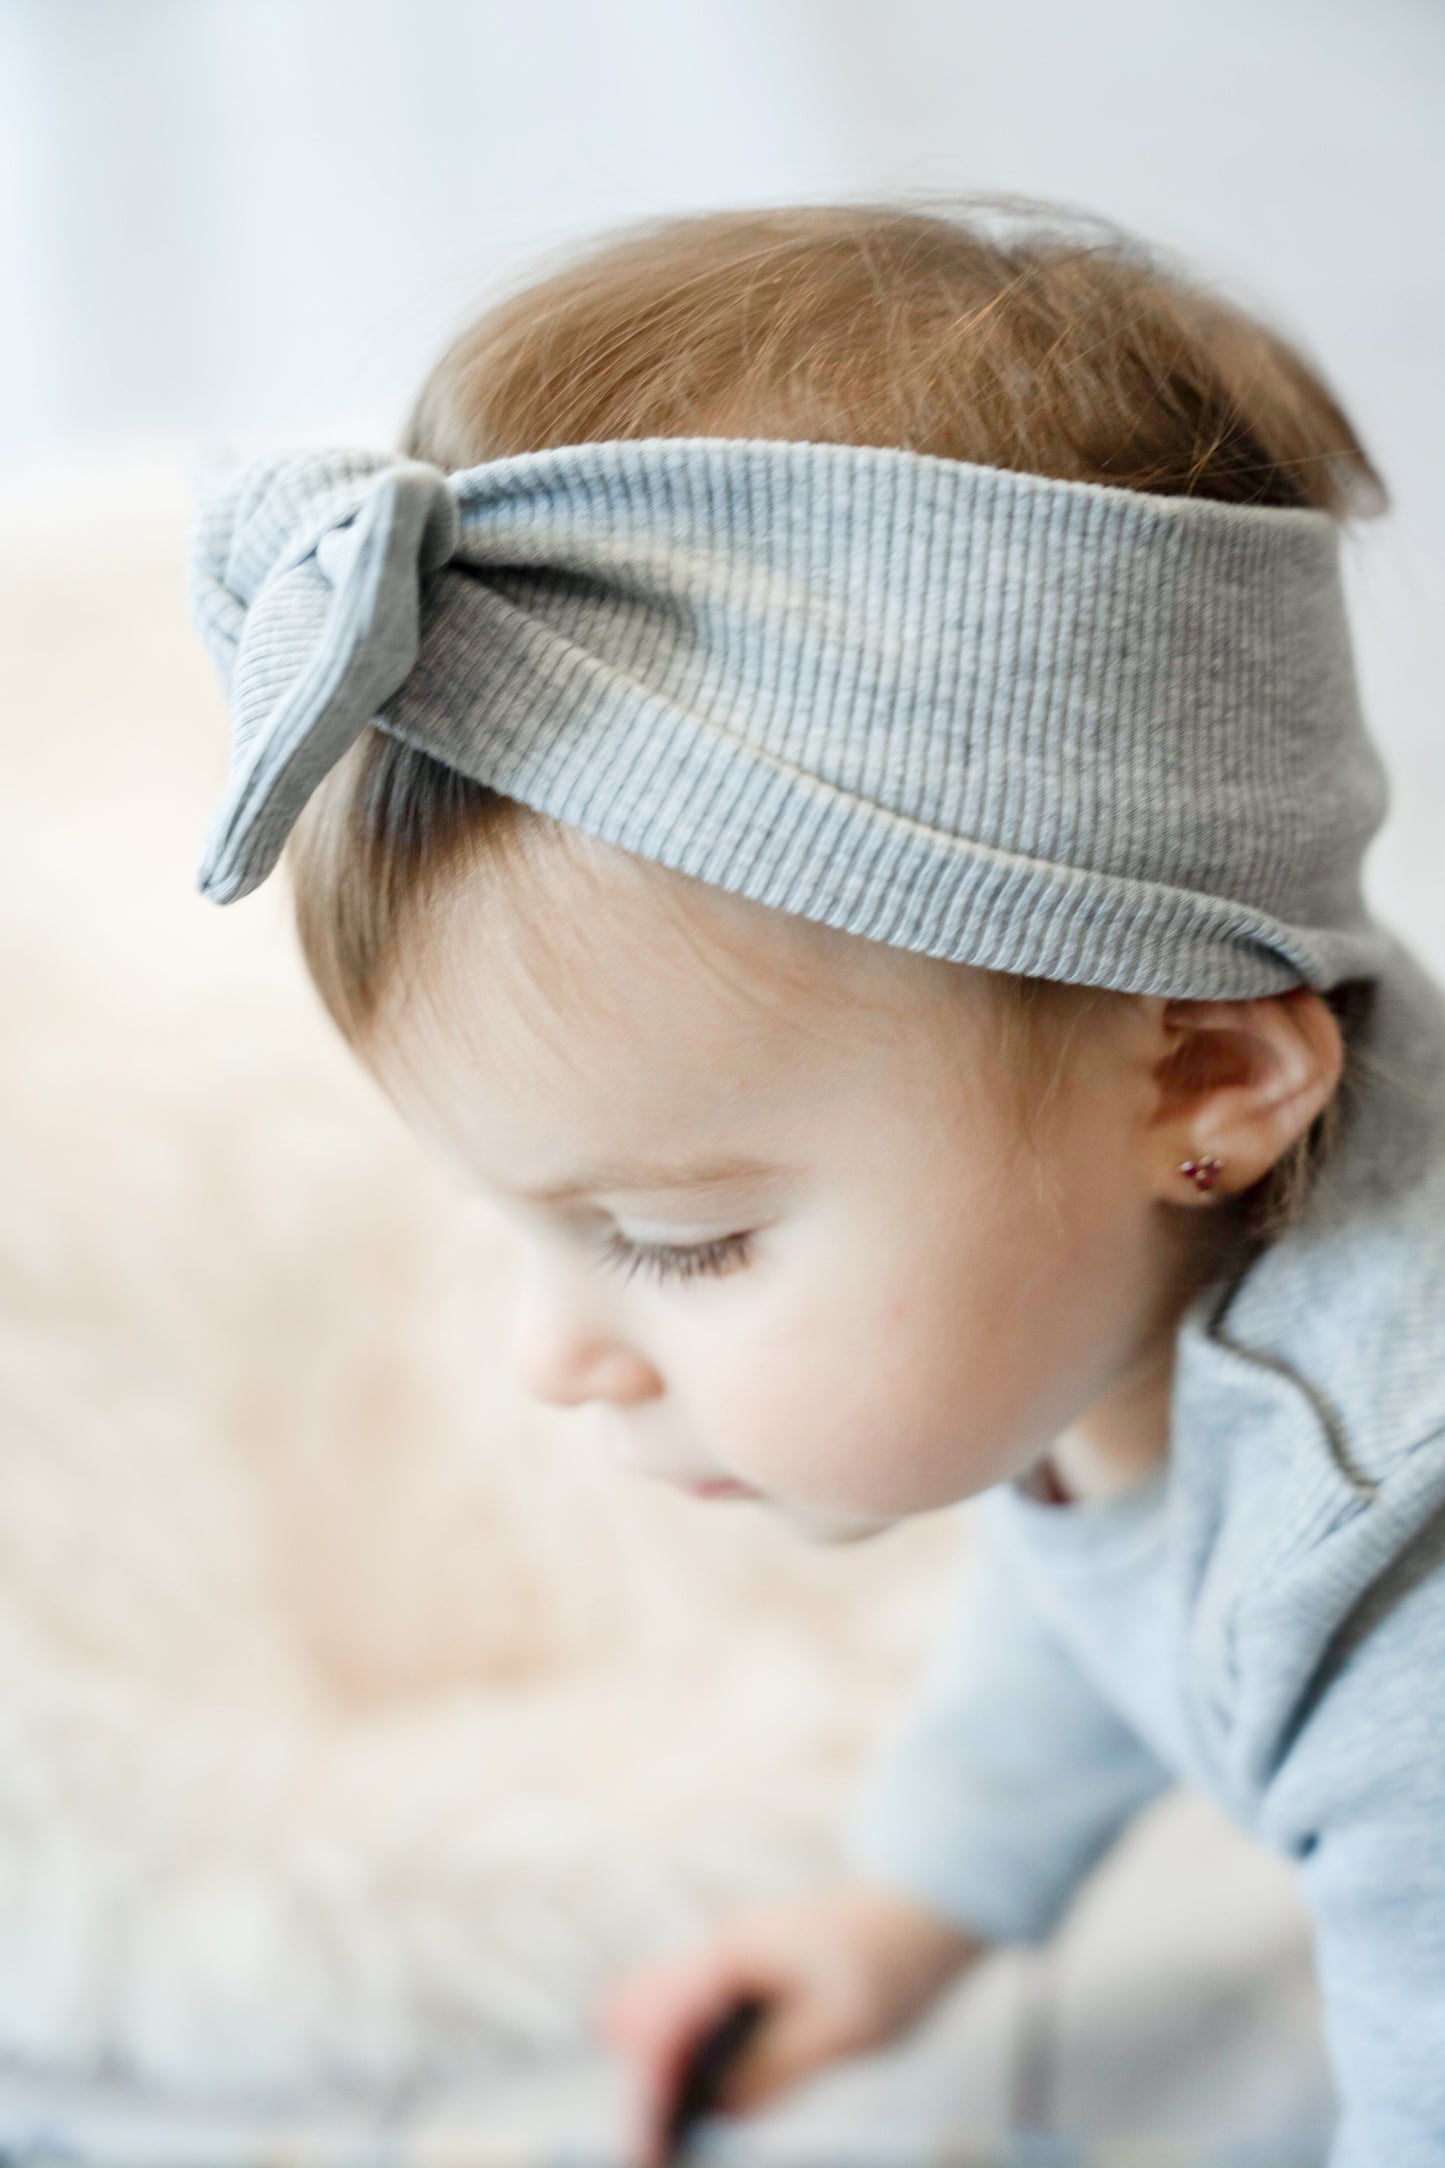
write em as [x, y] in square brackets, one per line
[646, 2010]
[792, 2041]
[690, 2070]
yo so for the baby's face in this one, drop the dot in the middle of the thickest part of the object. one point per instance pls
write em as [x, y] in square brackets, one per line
[794, 1245]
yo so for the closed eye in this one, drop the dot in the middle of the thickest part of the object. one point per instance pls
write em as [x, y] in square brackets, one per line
[669, 1262]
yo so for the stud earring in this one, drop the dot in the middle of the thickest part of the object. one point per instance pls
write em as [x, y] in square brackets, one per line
[1201, 1172]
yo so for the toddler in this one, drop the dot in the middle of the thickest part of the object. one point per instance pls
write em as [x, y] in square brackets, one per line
[825, 779]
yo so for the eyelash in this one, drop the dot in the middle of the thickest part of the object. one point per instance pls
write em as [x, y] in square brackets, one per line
[669, 1263]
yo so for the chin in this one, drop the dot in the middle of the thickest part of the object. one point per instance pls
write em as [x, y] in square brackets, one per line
[828, 1525]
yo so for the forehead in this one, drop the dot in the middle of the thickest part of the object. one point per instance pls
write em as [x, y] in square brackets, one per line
[629, 1014]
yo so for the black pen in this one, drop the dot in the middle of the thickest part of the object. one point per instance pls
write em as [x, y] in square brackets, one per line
[706, 2068]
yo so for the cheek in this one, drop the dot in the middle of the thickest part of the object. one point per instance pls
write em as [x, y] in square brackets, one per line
[915, 1382]
[866, 1391]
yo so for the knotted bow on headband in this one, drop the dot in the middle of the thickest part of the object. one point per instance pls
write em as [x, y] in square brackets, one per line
[1040, 726]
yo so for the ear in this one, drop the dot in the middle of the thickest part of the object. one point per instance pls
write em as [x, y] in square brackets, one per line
[1238, 1081]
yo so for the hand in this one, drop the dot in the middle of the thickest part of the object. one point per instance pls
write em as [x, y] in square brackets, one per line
[842, 1969]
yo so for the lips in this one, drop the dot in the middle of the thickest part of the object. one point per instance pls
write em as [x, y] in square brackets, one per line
[722, 1487]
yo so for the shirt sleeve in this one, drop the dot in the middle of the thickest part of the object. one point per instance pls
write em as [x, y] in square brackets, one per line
[1360, 1800]
[1005, 1776]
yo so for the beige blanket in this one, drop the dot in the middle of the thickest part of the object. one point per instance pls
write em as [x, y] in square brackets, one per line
[355, 1720]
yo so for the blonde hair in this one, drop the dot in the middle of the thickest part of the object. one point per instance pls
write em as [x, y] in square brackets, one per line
[993, 330]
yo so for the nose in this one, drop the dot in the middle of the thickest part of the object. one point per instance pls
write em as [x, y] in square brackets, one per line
[564, 1348]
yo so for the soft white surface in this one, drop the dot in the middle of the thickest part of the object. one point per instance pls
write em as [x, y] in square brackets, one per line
[355, 1715]
[1176, 2012]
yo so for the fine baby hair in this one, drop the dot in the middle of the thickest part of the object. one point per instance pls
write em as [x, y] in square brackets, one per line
[729, 450]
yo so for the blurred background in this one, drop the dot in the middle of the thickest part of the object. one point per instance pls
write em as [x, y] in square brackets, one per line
[348, 1746]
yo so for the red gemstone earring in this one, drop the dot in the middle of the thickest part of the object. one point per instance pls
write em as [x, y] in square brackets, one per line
[1201, 1172]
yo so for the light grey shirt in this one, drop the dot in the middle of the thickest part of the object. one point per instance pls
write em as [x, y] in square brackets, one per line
[1263, 1618]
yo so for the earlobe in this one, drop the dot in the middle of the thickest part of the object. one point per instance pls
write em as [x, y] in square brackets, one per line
[1203, 1173]
[1236, 1084]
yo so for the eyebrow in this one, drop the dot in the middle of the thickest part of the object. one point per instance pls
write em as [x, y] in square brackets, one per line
[634, 1175]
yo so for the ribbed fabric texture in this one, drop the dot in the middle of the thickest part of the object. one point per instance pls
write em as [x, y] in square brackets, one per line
[1039, 726]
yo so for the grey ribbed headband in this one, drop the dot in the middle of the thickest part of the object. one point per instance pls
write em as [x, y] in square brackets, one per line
[1040, 726]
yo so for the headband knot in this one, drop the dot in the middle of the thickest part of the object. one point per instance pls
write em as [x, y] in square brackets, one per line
[1042, 726]
[305, 578]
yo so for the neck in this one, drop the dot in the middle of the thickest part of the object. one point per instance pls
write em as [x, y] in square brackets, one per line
[1123, 1435]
